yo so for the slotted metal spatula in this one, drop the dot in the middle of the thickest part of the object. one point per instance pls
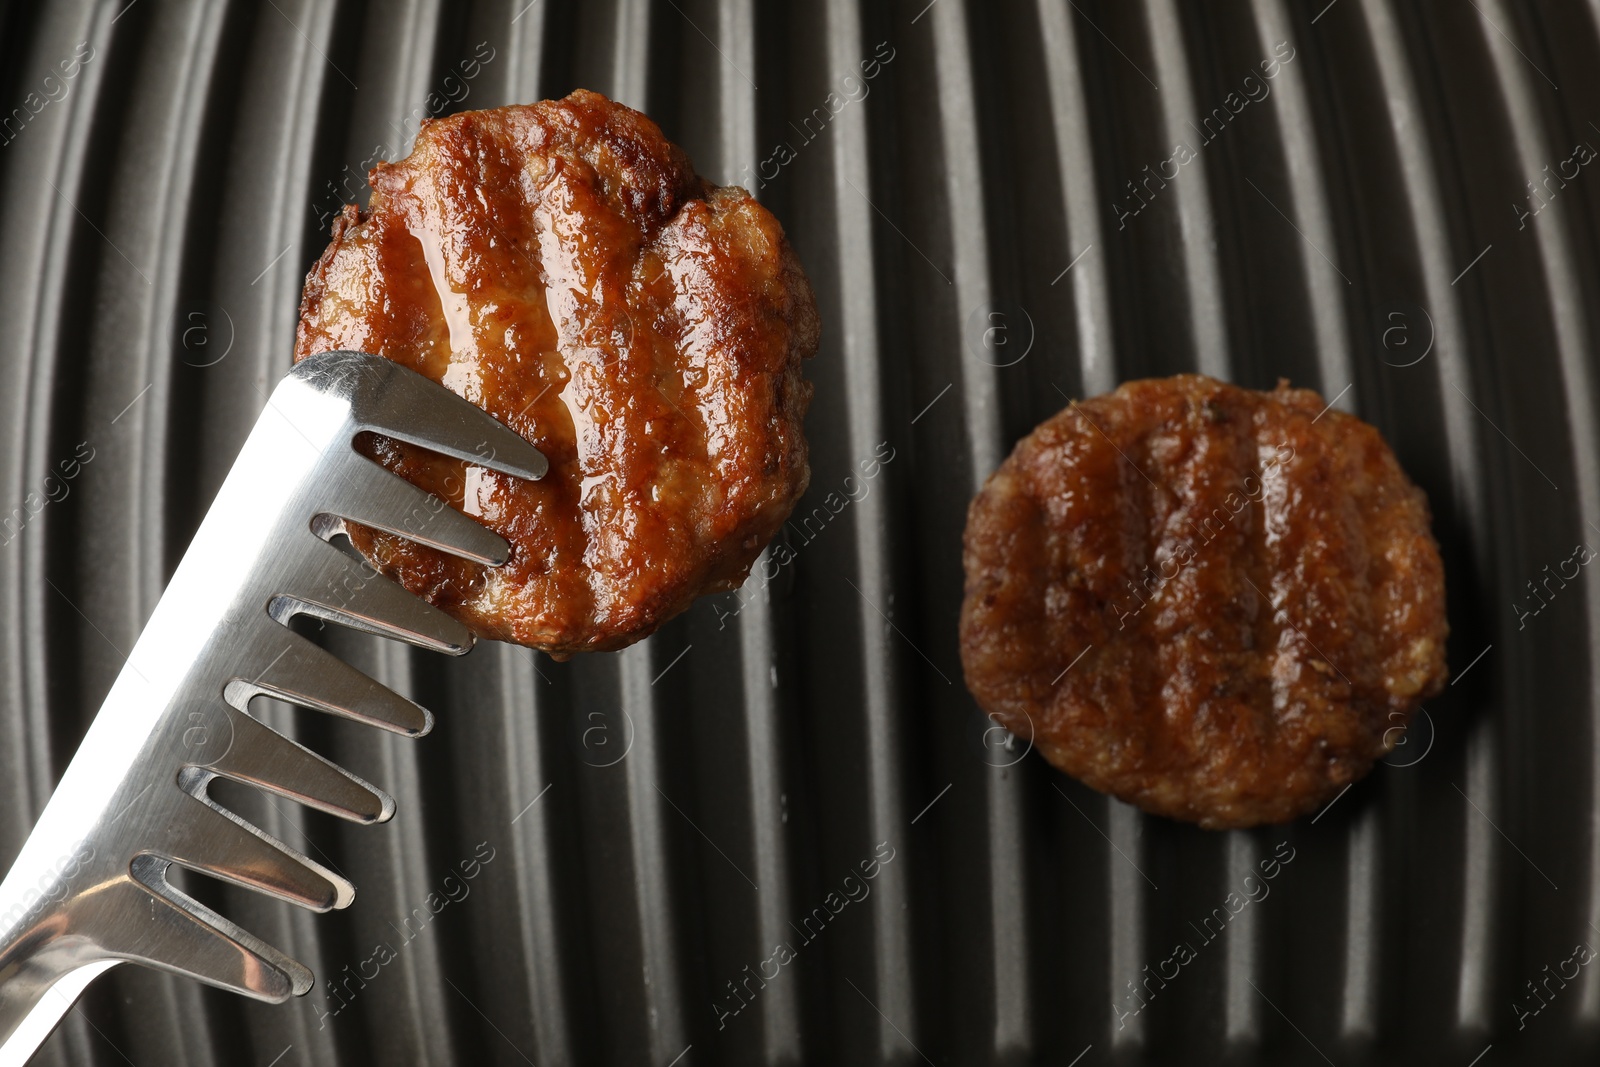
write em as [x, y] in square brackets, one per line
[90, 887]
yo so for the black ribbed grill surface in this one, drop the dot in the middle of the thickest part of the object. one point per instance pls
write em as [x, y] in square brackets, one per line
[994, 221]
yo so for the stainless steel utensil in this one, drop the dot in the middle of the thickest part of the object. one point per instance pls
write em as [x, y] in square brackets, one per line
[89, 889]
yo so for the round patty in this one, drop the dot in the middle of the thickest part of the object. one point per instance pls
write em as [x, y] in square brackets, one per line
[562, 266]
[1219, 604]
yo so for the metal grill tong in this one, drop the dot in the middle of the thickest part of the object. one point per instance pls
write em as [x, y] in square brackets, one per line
[90, 888]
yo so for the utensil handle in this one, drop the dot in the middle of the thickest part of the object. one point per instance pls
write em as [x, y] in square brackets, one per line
[47, 957]
[33, 1000]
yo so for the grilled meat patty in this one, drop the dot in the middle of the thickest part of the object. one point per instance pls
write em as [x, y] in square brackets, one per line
[562, 266]
[1249, 580]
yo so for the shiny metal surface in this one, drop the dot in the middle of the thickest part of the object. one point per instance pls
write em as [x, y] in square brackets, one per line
[1358, 229]
[91, 886]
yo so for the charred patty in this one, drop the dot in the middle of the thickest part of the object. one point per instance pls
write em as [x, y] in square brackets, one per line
[563, 267]
[1219, 604]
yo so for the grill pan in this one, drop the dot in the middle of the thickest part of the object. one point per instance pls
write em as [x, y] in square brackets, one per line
[993, 206]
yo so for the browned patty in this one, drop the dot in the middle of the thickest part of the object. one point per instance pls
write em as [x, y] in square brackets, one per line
[1251, 584]
[563, 267]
